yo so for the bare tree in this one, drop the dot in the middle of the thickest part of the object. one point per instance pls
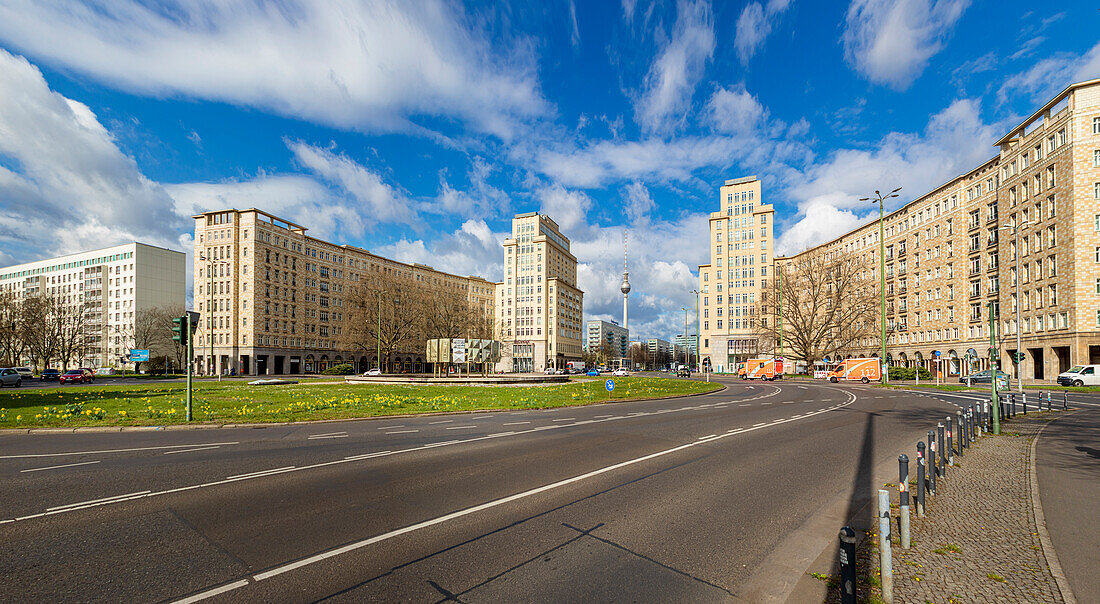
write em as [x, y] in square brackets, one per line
[12, 345]
[38, 328]
[826, 303]
[151, 330]
[385, 310]
[71, 324]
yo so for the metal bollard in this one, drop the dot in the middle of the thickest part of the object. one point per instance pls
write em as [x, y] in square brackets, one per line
[941, 449]
[962, 431]
[903, 499]
[920, 479]
[1065, 400]
[886, 559]
[1023, 399]
[932, 459]
[847, 565]
[1012, 413]
[1048, 401]
[950, 442]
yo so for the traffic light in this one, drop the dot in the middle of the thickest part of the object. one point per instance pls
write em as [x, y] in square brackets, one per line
[179, 330]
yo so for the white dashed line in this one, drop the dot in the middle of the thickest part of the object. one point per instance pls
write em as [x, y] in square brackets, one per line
[190, 450]
[27, 456]
[325, 436]
[68, 465]
[459, 427]
[442, 421]
[402, 431]
[328, 434]
[260, 473]
[515, 423]
[70, 506]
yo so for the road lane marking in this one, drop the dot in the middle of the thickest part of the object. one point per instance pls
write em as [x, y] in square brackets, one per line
[744, 405]
[307, 561]
[564, 419]
[402, 431]
[758, 425]
[30, 455]
[104, 500]
[333, 434]
[459, 427]
[68, 465]
[260, 473]
[367, 455]
[707, 436]
[442, 421]
[600, 416]
[319, 437]
[190, 450]
[521, 423]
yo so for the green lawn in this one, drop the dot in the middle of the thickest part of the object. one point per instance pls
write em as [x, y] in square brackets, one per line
[159, 404]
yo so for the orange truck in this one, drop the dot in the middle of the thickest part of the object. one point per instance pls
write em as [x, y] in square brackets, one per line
[764, 369]
[864, 370]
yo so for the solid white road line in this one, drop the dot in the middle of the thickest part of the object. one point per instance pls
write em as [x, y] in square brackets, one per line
[442, 421]
[68, 465]
[521, 423]
[333, 434]
[279, 570]
[402, 431]
[83, 503]
[459, 427]
[367, 455]
[27, 456]
[260, 473]
[321, 437]
[564, 419]
[190, 450]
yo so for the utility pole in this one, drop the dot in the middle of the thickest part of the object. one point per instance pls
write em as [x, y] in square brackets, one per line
[190, 356]
[1019, 352]
[993, 366]
[881, 201]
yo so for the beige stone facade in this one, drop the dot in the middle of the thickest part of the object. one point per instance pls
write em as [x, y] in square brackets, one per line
[731, 287]
[952, 251]
[274, 300]
[539, 307]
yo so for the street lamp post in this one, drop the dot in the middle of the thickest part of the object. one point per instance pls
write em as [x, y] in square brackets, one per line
[880, 199]
[698, 355]
[1015, 228]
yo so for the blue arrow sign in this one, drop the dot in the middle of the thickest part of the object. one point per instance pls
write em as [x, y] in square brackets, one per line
[610, 385]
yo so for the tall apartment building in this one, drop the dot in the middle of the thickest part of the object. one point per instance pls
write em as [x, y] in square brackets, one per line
[113, 284]
[606, 335]
[274, 300]
[539, 307]
[953, 251]
[731, 287]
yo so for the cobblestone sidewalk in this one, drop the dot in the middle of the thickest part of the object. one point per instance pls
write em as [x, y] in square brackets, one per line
[978, 539]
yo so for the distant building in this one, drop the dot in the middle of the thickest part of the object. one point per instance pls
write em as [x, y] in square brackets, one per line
[539, 308]
[112, 285]
[657, 346]
[691, 342]
[608, 337]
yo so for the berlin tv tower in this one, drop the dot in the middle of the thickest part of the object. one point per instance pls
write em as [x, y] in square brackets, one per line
[625, 287]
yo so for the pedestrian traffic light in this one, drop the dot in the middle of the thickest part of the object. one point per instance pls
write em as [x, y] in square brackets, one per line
[179, 330]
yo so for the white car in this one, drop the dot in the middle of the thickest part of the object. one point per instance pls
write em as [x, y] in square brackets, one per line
[373, 372]
[620, 372]
[1081, 375]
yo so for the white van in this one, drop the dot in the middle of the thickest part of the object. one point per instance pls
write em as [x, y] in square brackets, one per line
[1081, 375]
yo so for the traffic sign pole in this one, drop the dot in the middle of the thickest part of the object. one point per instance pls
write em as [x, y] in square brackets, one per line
[189, 363]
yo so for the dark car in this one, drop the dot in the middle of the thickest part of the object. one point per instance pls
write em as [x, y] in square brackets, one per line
[49, 375]
[982, 377]
[10, 377]
[76, 376]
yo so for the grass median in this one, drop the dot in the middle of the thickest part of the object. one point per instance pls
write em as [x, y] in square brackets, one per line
[160, 404]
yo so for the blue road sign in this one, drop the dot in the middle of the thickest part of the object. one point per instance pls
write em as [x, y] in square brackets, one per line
[139, 355]
[610, 385]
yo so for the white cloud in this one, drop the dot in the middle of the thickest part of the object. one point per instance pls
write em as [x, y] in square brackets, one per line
[375, 65]
[1051, 75]
[754, 25]
[473, 249]
[628, 10]
[64, 183]
[954, 141]
[638, 202]
[481, 200]
[596, 164]
[676, 71]
[574, 33]
[891, 41]
[735, 111]
[568, 208]
[381, 201]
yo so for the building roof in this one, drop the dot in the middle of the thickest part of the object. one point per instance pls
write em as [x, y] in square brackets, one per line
[1039, 112]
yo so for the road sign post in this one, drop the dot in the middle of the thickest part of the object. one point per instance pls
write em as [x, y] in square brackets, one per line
[187, 338]
[610, 385]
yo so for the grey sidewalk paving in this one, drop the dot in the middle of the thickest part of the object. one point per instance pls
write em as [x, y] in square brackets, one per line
[979, 541]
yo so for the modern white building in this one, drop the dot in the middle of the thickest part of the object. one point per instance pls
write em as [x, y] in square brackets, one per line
[606, 336]
[115, 283]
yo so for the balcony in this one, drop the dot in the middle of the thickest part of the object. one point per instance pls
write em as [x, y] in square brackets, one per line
[992, 242]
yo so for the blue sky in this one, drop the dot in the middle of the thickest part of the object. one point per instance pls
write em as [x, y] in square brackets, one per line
[416, 130]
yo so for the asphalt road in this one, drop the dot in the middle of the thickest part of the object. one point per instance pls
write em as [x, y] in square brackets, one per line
[723, 497]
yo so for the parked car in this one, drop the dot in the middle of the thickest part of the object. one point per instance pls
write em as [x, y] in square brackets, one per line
[1081, 375]
[373, 372]
[104, 371]
[24, 372]
[982, 377]
[76, 376]
[620, 372]
[49, 375]
[10, 377]
[683, 371]
[593, 372]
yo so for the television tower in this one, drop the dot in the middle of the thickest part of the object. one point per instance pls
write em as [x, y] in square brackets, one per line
[625, 287]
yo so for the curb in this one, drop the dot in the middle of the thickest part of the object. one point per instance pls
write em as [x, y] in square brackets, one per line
[1041, 524]
[175, 427]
